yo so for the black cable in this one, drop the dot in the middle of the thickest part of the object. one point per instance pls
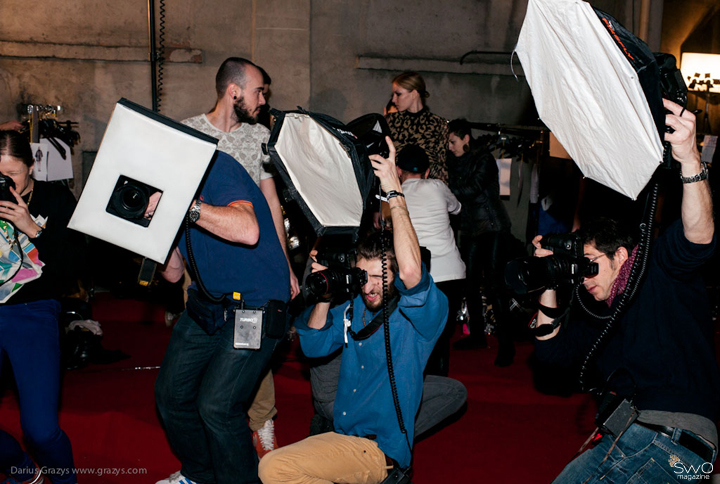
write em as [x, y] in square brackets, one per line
[193, 266]
[388, 351]
[160, 53]
[634, 280]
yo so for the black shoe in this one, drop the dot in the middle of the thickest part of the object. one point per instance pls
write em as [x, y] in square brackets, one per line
[471, 342]
[505, 356]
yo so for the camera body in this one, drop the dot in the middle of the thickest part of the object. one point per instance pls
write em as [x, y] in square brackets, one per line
[567, 266]
[5, 184]
[339, 281]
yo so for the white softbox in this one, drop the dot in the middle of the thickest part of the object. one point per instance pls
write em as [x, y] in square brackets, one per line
[326, 168]
[142, 153]
[588, 94]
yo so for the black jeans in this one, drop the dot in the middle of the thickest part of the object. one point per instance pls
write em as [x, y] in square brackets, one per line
[486, 256]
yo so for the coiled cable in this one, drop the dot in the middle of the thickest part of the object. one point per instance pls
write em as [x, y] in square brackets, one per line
[634, 280]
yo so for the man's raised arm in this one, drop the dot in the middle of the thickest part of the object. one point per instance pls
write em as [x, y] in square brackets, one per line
[407, 247]
[696, 208]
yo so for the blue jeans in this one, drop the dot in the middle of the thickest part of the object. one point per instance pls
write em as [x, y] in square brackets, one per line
[641, 456]
[202, 391]
[29, 337]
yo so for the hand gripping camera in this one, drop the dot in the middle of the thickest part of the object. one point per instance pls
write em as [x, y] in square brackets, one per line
[5, 184]
[338, 281]
[567, 266]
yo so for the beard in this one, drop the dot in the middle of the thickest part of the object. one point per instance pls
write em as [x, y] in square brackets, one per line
[242, 114]
[376, 304]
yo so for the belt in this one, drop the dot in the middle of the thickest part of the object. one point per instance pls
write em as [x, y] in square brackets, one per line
[687, 440]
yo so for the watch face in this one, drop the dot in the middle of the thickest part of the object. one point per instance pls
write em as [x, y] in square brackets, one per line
[194, 213]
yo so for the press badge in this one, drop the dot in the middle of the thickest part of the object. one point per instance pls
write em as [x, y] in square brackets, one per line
[248, 329]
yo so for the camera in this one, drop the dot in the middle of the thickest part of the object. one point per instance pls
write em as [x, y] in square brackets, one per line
[130, 199]
[339, 280]
[567, 266]
[5, 184]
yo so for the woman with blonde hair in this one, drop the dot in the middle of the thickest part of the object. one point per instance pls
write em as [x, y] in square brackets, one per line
[413, 123]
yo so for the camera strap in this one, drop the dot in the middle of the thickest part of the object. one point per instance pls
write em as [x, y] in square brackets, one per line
[376, 322]
[558, 315]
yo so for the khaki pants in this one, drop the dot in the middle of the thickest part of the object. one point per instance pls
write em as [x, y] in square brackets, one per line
[325, 459]
[263, 406]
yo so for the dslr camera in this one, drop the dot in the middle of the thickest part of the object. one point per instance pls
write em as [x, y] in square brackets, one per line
[339, 281]
[5, 184]
[567, 266]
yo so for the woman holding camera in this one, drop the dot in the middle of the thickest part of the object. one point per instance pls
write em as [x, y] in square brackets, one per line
[413, 123]
[37, 213]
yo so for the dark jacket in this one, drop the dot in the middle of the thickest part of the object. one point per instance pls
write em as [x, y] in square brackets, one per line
[473, 179]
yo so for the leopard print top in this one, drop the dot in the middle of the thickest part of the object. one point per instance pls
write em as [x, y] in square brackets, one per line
[427, 130]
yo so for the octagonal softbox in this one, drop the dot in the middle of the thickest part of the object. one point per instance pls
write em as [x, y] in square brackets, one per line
[325, 166]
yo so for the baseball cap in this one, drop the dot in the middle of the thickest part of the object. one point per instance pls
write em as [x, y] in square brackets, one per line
[412, 158]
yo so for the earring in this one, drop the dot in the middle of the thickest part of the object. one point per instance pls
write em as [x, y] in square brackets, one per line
[235, 97]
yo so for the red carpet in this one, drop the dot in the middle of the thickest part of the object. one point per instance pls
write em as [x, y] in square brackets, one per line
[510, 432]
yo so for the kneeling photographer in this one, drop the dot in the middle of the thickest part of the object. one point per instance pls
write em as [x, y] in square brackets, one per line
[373, 414]
[661, 388]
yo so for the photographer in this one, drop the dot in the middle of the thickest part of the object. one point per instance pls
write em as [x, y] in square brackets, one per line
[659, 355]
[368, 441]
[29, 316]
[209, 373]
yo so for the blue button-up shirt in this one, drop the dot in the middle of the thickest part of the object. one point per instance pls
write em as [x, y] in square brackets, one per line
[364, 404]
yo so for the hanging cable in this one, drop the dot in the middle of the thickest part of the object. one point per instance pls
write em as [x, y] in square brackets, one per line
[160, 54]
[634, 280]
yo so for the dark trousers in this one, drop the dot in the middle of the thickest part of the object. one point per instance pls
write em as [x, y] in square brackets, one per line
[485, 257]
[202, 393]
[439, 361]
[29, 337]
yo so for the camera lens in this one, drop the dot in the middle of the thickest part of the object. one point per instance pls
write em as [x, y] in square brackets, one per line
[133, 199]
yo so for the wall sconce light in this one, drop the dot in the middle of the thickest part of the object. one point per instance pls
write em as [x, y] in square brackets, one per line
[702, 74]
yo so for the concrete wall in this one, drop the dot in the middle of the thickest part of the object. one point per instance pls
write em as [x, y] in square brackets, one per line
[331, 56]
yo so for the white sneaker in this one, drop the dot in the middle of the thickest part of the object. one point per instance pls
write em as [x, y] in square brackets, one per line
[264, 438]
[176, 478]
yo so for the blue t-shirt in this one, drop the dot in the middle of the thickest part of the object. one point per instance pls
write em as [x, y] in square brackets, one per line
[364, 403]
[259, 272]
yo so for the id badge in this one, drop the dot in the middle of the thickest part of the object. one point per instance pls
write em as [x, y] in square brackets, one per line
[248, 329]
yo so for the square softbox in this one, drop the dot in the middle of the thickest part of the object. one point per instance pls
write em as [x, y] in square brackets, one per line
[142, 155]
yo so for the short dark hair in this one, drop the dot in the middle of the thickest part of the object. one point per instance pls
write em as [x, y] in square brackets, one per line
[266, 77]
[370, 247]
[231, 71]
[607, 235]
[460, 128]
[16, 145]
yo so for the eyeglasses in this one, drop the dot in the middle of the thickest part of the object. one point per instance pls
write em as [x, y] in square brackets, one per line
[595, 258]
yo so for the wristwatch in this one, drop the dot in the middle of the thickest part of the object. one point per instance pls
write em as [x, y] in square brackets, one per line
[194, 212]
[703, 175]
[39, 231]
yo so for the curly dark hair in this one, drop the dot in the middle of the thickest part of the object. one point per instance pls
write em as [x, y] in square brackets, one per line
[370, 247]
[607, 235]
